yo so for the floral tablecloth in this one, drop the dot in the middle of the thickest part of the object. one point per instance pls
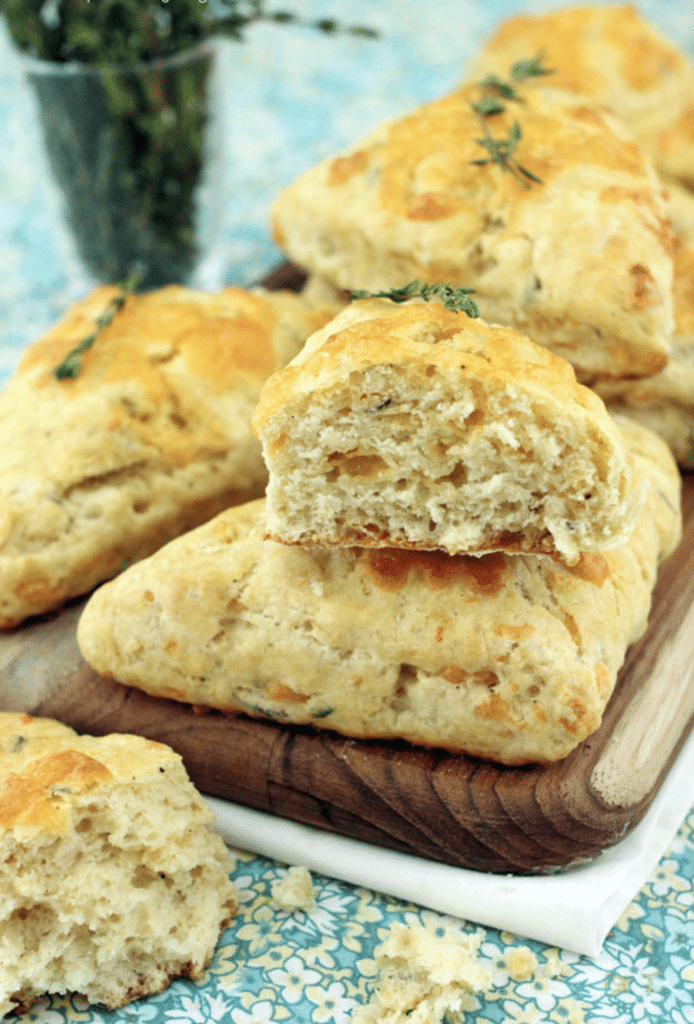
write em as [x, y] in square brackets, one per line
[293, 97]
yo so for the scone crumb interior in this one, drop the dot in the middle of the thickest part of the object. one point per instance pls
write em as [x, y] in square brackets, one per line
[111, 880]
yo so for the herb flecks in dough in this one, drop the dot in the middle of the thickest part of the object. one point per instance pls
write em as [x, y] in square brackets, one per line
[454, 299]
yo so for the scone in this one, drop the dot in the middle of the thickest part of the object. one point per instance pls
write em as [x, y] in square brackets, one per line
[150, 438]
[508, 657]
[414, 426]
[579, 256]
[665, 402]
[612, 54]
[111, 880]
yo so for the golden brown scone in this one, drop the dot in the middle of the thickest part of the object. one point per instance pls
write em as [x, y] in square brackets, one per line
[665, 402]
[508, 657]
[613, 55]
[111, 880]
[580, 261]
[414, 426]
[152, 437]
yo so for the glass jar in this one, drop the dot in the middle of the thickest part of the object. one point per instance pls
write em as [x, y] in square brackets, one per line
[137, 154]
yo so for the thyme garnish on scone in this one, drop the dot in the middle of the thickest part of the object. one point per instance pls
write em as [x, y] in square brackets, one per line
[72, 364]
[501, 152]
[454, 299]
[492, 102]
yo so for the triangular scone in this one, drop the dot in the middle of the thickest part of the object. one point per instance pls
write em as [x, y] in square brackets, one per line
[112, 881]
[415, 426]
[509, 657]
[612, 54]
[580, 260]
[665, 402]
[150, 438]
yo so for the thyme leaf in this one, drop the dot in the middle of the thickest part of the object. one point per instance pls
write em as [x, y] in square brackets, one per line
[500, 87]
[71, 365]
[488, 105]
[530, 68]
[454, 299]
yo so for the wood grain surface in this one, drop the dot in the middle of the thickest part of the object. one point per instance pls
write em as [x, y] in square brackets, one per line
[445, 807]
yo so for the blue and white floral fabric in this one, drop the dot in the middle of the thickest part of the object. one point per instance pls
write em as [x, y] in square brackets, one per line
[274, 966]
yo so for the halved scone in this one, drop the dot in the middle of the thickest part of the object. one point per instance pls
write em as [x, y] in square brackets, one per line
[414, 426]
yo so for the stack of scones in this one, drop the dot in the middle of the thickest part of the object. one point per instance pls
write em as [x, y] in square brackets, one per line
[459, 541]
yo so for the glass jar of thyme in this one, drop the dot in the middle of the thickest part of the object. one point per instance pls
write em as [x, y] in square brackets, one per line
[137, 154]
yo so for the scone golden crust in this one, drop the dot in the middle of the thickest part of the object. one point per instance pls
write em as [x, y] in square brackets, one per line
[414, 426]
[511, 658]
[665, 402]
[152, 437]
[612, 54]
[111, 880]
[581, 261]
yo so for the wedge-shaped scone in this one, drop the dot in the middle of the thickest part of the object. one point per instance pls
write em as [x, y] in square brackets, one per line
[509, 657]
[111, 880]
[665, 402]
[579, 260]
[612, 54]
[415, 426]
[150, 438]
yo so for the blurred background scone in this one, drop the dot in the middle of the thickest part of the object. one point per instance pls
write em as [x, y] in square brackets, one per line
[111, 880]
[567, 240]
[612, 54]
[665, 401]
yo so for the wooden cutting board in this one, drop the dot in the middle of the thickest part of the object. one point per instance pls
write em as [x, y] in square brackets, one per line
[445, 807]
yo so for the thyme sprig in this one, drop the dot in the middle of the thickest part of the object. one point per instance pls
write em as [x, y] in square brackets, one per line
[71, 365]
[501, 152]
[454, 299]
[500, 90]
[128, 31]
[492, 102]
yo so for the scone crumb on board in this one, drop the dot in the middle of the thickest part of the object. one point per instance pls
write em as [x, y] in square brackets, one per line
[294, 890]
[424, 977]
